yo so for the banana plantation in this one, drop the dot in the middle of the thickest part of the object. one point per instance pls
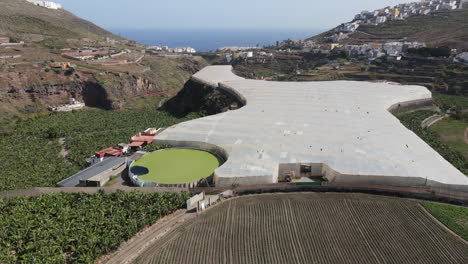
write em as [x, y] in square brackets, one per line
[30, 155]
[76, 228]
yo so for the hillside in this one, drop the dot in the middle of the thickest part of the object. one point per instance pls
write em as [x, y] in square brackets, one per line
[28, 84]
[448, 28]
[25, 21]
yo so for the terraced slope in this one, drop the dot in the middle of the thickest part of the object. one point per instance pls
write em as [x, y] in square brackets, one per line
[311, 228]
[448, 28]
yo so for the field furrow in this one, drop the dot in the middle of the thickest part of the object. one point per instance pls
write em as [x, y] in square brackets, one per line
[310, 228]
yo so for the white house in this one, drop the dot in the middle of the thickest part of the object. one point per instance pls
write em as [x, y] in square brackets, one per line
[381, 19]
[462, 57]
[46, 4]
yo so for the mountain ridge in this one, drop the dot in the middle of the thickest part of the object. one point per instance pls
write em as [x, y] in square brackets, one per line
[22, 20]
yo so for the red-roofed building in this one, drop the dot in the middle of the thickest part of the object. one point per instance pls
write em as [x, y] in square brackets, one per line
[141, 139]
[110, 152]
[136, 144]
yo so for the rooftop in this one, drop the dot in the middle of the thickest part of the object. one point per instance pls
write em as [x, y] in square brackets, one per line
[343, 124]
[92, 171]
[112, 151]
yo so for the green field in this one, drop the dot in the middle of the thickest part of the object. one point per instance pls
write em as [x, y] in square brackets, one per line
[453, 217]
[76, 228]
[446, 149]
[175, 166]
[452, 133]
[446, 101]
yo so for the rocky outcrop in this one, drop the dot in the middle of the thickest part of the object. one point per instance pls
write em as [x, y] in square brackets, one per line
[37, 85]
[197, 97]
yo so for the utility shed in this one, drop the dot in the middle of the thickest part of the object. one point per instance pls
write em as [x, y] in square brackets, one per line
[343, 130]
[97, 175]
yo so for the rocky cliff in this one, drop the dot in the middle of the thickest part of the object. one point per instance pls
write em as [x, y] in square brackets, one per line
[27, 89]
[197, 97]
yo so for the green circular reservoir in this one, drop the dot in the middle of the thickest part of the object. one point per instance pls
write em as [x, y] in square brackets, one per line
[175, 166]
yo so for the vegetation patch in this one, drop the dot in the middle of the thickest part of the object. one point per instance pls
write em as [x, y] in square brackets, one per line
[452, 132]
[453, 102]
[76, 228]
[413, 122]
[454, 217]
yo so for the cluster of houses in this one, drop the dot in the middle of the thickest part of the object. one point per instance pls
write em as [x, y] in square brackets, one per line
[189, 50]
[230, 56]
[369, 50]
[376, 50]
[137, 142]
[462, 58]
[91, 53]
[398, 12]
[235, 49]
[379, 16]
[231, 53]
[46, 4]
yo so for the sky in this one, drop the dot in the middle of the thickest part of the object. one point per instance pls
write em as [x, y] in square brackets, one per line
[221, 14]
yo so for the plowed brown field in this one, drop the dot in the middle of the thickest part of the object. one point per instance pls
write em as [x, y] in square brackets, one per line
[310, 228]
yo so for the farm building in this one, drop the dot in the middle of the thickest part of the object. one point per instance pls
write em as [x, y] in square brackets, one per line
[342, 131]
[97, 175]
[110, 152]
[99, 156]
[144, 138]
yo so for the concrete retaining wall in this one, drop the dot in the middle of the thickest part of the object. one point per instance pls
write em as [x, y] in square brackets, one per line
[410, 105]
[398, 181]
[407, 192]
[432, 120]
[333, 176]
[244, 180]
[193, 202]
[213, 149]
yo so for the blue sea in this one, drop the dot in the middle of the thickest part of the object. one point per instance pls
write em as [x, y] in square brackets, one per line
[212, 39]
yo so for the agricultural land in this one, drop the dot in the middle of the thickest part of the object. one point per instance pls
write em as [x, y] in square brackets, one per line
[311, 228]
[76, 228]
[30, 156]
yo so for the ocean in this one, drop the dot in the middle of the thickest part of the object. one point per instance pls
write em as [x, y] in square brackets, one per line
[212, 39]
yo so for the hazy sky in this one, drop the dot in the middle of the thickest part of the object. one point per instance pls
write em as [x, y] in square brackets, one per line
[238, 14]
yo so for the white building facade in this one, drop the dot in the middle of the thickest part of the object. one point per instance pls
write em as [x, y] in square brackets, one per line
[46, 4]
